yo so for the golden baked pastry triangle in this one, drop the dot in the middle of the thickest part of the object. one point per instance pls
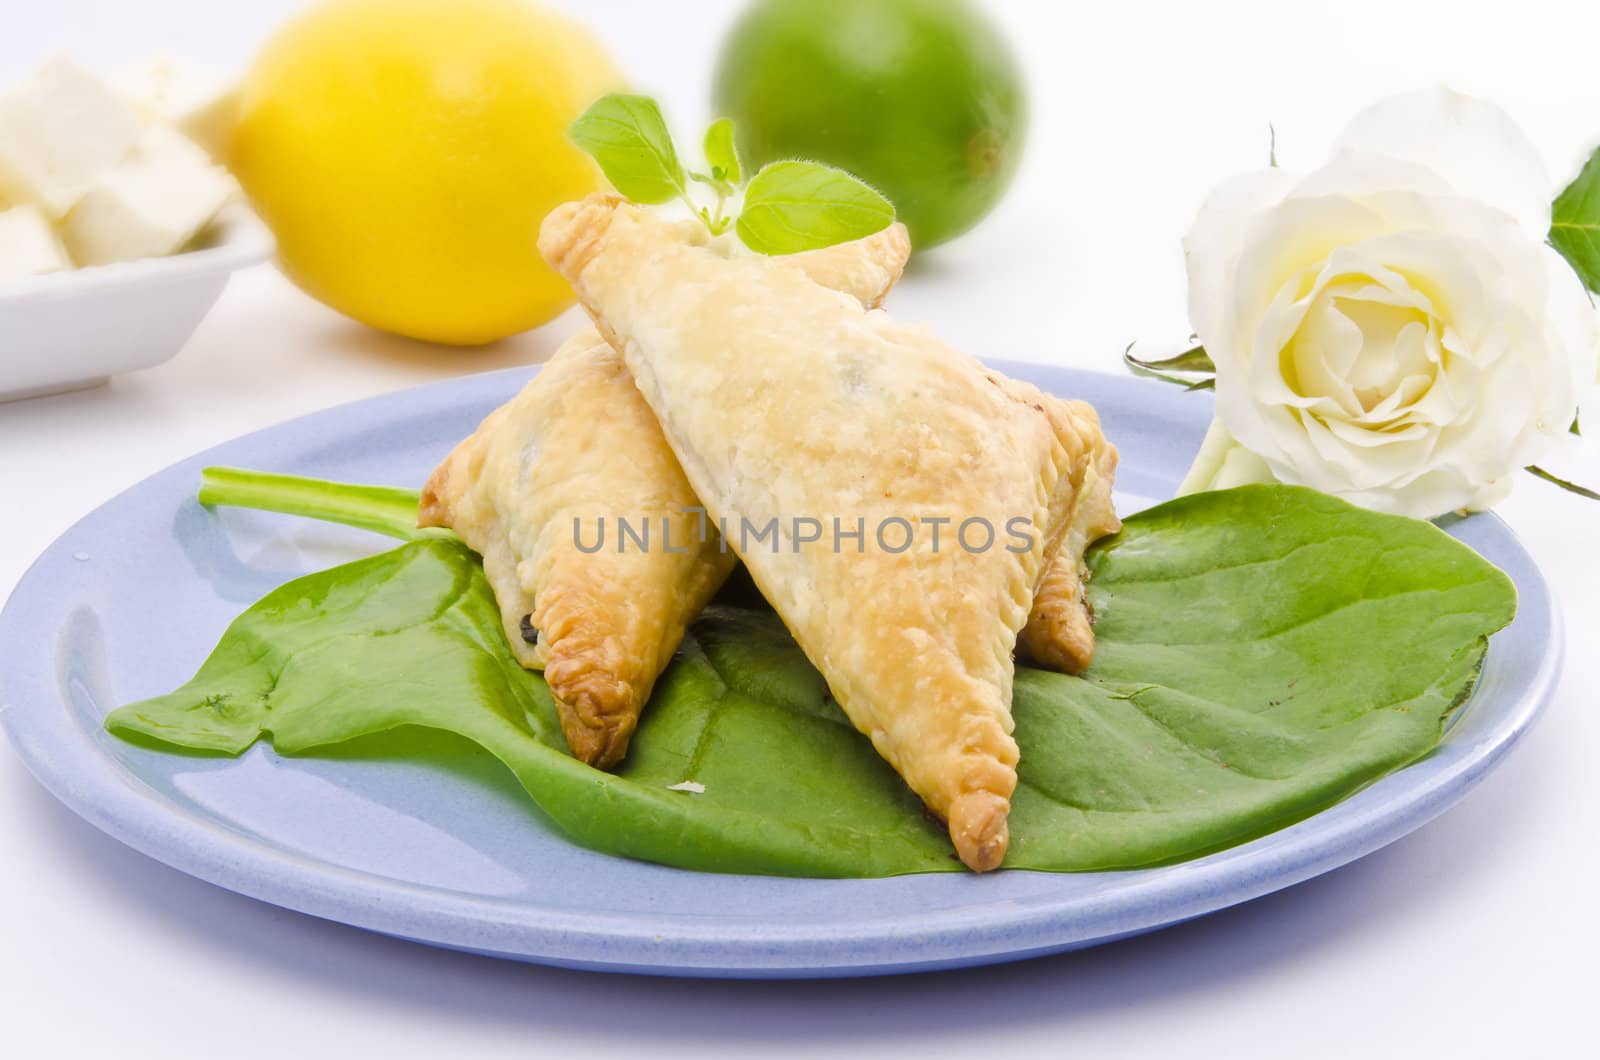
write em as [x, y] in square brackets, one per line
[576, 450]
[786, 401]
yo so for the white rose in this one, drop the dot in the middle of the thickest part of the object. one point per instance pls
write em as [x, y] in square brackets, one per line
[1391, 328]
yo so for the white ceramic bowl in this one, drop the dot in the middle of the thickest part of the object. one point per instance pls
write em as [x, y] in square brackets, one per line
[69, 330]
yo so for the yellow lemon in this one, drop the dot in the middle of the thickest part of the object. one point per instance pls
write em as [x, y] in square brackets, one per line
[404, 153]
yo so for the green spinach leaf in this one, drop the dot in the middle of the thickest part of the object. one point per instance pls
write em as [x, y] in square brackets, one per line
[1263, 652]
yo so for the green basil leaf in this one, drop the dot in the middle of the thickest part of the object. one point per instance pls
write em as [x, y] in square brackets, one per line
[1262, 653]
[1575, 223]
[721, 155]
[791, 207]
[628, 137]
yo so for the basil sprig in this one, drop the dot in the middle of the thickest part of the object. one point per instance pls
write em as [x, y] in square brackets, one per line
[785, 208]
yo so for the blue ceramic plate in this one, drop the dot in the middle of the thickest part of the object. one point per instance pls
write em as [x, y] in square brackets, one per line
[128, 602]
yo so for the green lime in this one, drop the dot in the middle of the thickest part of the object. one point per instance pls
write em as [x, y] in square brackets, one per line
[920, 98]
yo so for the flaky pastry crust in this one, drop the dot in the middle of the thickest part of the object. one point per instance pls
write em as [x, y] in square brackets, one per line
[782, 399]
[579, 447]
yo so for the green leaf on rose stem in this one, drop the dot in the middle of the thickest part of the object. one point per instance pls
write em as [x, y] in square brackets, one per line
[1193, 361]
[721, 155]
[1575, 223]
[791, 207]
[629, 138]
[1570, 487]
[1262, 653]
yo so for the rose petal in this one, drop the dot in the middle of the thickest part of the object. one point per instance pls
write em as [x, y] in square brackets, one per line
[1573, 317]
[1270, 430]
[1365, 437]
[1432, 494]
[1327, 343]
[1384, 460]
[1211, 249]
[1241, 467]
[1473, 144]
[1386, 414]
[1223, 463]
[1391, 343]
[1295, 240]
[1358, 174]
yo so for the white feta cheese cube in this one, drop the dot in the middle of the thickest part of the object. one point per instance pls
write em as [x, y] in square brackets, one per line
[166, 146]
[152, 205]
[200, 102]
[59, 131]
[28, 244]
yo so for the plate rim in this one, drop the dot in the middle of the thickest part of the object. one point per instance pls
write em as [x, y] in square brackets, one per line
[64, 761]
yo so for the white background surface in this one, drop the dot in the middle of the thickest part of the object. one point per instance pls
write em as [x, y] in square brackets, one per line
[1474, 937]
